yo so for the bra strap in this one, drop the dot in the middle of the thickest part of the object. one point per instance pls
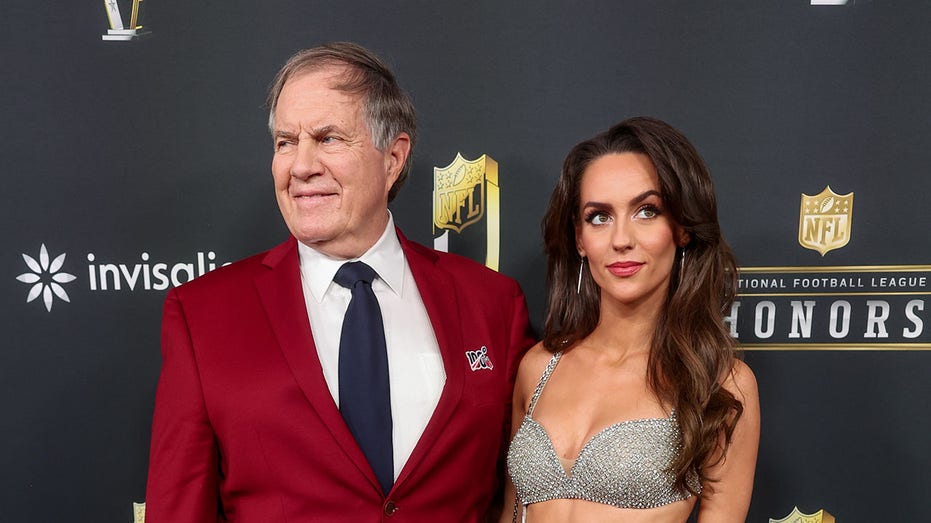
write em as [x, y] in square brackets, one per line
[543, 379]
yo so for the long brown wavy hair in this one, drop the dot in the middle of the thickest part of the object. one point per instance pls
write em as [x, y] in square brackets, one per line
[691, 350]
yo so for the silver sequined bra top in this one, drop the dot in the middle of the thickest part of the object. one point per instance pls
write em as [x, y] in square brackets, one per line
[625, 465]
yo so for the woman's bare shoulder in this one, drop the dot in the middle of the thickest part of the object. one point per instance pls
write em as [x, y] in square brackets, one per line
[531, 369]
[741, 382]
[535, 361]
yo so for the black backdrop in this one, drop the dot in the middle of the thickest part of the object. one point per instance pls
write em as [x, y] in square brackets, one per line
[133, 154]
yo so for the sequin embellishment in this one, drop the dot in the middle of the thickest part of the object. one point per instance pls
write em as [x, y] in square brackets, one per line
[624, 465]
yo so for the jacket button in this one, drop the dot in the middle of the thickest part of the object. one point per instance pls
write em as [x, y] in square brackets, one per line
[390, 508]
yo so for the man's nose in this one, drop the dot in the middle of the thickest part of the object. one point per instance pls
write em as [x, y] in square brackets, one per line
[306, 160]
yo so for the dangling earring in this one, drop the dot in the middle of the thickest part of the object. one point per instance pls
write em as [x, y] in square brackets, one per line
[681, 265]
[578, 287]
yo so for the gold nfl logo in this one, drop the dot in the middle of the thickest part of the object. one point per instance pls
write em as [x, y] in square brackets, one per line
[459, 192]
[796, 516]
[824, 221]
[465, 192]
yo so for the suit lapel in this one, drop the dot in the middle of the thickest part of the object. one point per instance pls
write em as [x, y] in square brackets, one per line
[438, 292]
[283, 299]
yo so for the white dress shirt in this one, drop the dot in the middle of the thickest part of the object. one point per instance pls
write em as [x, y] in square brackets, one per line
[415, 366]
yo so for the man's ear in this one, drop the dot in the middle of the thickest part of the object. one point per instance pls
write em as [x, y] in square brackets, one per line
[396, 157]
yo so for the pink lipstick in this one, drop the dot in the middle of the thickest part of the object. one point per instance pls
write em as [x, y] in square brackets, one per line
[624, 269]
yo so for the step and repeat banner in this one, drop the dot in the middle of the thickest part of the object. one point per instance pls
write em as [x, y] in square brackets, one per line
[134, 157]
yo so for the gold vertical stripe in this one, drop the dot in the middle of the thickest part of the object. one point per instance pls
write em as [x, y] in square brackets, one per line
[135, 15]
[493, 214]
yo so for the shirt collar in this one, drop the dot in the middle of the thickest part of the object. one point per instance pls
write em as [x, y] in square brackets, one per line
[386, 257]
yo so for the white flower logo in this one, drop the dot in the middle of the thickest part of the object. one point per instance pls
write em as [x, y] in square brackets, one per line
[45, 277]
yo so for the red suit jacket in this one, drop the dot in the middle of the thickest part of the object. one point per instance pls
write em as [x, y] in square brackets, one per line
[245, 429]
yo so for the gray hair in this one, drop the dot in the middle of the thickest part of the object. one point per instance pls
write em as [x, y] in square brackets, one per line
[387, 109]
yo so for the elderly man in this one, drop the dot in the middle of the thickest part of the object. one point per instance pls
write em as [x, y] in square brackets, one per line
[347, 374]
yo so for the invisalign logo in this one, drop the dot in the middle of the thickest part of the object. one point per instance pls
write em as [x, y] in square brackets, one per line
[47, 278]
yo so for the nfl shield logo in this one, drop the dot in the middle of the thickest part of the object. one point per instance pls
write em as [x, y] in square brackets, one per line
[466, 192]
[459, 192]
[824, 221]
[796, 516]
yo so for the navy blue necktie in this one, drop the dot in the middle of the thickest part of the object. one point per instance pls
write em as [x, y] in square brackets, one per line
[364, 393]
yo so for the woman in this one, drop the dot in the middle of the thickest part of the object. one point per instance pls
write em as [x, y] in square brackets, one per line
[634, 405]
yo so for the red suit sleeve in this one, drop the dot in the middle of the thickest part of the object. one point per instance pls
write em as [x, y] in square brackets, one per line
[183, 476]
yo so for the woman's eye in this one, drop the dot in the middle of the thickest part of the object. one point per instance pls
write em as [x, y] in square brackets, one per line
[647, 212]
[598, 218]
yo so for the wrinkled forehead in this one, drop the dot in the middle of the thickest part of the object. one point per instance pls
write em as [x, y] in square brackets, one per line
[337, 76]
[315, 93]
